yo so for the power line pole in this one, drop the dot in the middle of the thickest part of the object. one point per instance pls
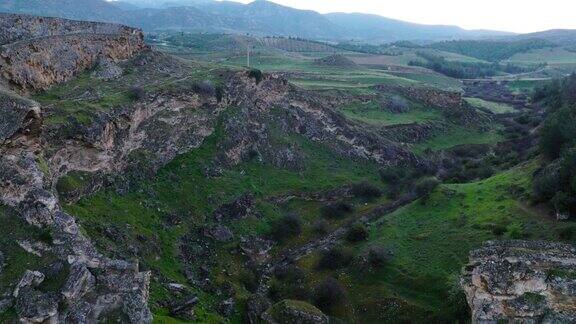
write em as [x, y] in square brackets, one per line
[248, 56]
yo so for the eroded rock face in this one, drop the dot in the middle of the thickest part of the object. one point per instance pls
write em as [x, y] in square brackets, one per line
[291, 311]
[39, 52]
[529, 282]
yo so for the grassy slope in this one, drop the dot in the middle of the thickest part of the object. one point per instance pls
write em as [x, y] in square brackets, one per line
[457, 135]
[429, 241]
[495, 107]
[372, 113]
[182, 188]
[17, 259]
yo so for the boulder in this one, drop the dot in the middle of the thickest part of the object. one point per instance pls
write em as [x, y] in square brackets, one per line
[30, 279]
[220, 233]
[79, 282]
[294, 312]
[255, 307]
[185, 308]
[520, 281]
[33, 306]
[227, 307]
[238, 209]
[107, 70]
[5, 304]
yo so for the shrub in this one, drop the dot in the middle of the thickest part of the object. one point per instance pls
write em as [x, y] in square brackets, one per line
[499, 230]
[392, 175]
[515, 231]
[371, 259]
[205, 88]
[287, 227]
[336, 210]
[567, 233]
[366, 190]
[320, 227]
[398, 104]
[328, 294]
[357, 233]
[335, 258]
[136, 93]
[256, 74]
[249, 280]
[426, 186]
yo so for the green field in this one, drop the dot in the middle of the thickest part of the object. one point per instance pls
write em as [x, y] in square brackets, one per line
[429, 241]
[457, 135]
[374, 114]
[494, 107]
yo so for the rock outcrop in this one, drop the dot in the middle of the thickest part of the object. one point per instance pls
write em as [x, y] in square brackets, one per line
[292, 311]
[36, 53]
[114, 144]
[519, 281]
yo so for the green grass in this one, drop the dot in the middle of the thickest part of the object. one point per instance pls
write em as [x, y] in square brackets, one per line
[458, 135]
[495, 107]
[552, 56]
[182, 188]
[17, 260]
[430, 241]
[372, 113]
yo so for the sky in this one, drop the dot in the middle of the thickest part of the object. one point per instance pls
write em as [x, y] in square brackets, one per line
[521, 16]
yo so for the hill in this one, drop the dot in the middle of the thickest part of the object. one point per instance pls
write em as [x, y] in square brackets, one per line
[259, 18]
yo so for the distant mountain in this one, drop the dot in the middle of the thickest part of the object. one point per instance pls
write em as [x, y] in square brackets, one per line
[381, 29]
[260, 17]
[560, 37]
[94, 10]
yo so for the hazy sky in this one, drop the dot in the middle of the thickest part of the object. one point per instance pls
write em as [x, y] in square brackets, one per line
[507, 15]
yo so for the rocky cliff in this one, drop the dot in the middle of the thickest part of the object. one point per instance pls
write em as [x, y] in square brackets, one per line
[38, 52]
[42, 143]
[522, 282]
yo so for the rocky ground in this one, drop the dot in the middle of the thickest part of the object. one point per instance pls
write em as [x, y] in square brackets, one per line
[530, 282]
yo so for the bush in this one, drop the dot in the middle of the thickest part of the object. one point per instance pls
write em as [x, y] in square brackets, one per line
[426, 186]
[287, 227]
[372, 259]
[256, 74]
[205, 88]
[357, 233]
[397, 104]
[366, 190]
[249, 280]
[321, 227]
[336, 210]
[499, 230]
[515, 231]
[329, 294]
[136, 93]
[335, 258]
[392, 175]
[567, 233]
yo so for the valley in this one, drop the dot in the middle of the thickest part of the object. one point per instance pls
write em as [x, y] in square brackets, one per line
[171, 177]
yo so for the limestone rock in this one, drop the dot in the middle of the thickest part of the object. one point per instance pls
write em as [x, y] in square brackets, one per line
[238, 209]
[185, 308]
[79, 282]
[519, 281]
[255, 307]
[107, 70]
[30, 279]
[294, 312]
[33, 306]
[220, 233]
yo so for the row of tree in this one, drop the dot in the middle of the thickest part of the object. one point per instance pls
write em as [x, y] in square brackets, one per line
[555, 182]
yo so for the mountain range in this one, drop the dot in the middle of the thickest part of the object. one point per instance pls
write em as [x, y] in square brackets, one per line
[261, 18]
